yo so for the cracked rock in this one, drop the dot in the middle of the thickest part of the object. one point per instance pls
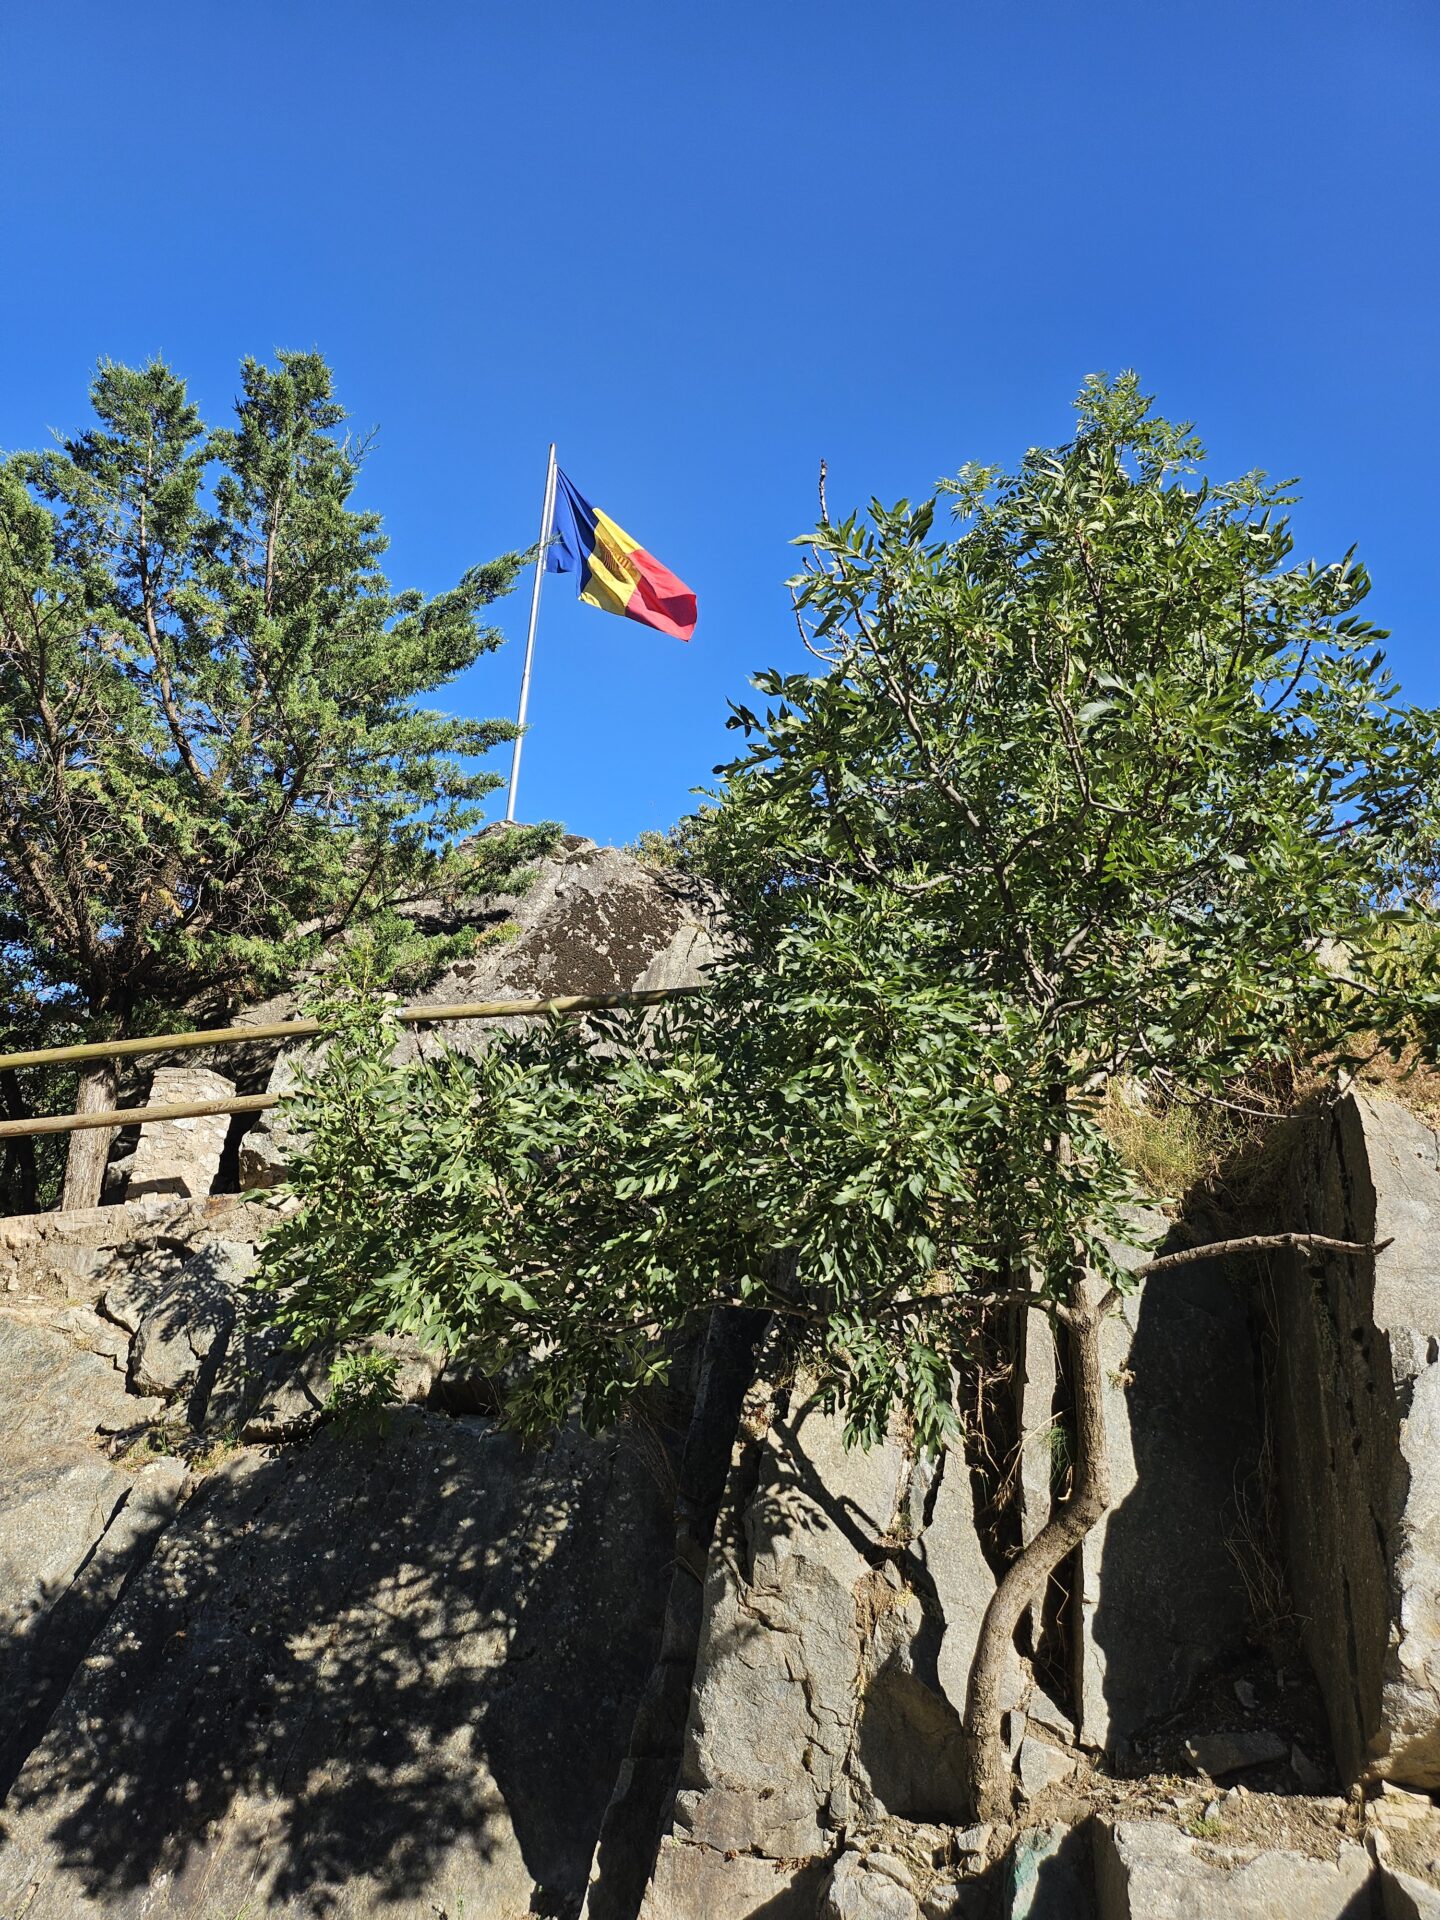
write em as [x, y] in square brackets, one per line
[864, 1889]
[1358, 1434]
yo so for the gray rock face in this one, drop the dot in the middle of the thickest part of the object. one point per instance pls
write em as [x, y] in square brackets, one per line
[293, 1392]
[202, 1344]
[1358, 1436]
[1041, 1766]
[594, 920]
[1148, 1870]
[645, 1784]
[691, 1881]
[838, 1632]
[72, 1524]
[57, 1494]
[1036, 1380]
[1160, 1598]
[93, 1333]
[181, 1156]
[362, 1678]
[266, 1149]
[194, 1341]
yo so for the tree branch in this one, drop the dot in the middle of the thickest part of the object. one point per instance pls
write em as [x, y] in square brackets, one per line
[1248, 1243]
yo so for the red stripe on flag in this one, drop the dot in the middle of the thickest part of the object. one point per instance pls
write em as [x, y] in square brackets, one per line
[659, 599]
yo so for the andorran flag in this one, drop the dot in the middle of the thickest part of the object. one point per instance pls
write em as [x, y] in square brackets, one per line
[616, 572]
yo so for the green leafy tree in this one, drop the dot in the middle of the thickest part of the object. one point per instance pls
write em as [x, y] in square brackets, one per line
[1091, 787]
[212, 759]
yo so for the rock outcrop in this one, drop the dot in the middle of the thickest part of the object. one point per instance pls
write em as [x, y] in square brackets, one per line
[364, 1676]
[365, 1673]
[593, 920]
[843, 1596]
[1358, 1433]
[711, 1666]
[378, 1673]
[73, 1523]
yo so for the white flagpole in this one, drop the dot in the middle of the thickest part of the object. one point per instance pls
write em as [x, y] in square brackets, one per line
[547, 516]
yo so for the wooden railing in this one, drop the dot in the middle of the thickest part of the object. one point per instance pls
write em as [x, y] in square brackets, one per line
[277, 1030]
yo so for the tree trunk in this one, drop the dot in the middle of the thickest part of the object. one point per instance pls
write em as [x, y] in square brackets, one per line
[90, 1148]
[17, 1182]
[986, 1768]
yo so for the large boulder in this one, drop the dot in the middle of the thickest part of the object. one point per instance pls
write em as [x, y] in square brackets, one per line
[372, 1676]
[593, 920]
[1358, 1434]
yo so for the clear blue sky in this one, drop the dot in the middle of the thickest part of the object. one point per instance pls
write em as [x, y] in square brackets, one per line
[701, 246]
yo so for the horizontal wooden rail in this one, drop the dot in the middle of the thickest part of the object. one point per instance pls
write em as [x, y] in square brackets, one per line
[280, 1030]
[138, 1116]
[303, 1029]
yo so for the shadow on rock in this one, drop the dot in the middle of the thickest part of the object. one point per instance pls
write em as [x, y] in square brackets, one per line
[392, 1674]
[1162, 1600]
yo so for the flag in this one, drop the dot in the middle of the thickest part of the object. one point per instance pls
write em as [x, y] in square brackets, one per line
[616, 573]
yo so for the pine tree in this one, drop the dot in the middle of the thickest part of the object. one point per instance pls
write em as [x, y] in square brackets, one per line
[211, 756]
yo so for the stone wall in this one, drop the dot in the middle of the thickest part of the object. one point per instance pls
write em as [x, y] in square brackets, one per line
[181, 1156]
[57, 1256]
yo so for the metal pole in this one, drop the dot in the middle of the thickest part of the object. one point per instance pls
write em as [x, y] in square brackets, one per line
[547, 514]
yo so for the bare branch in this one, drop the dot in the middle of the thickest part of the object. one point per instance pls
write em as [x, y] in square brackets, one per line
[1248, 1243]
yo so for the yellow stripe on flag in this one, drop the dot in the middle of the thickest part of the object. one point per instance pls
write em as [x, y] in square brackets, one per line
[612, 579]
